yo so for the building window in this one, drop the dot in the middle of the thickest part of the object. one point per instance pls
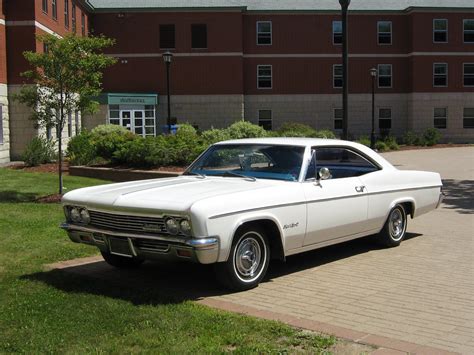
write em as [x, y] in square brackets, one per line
[338, 113]
[265, 119]
[468, 117]
[264, 33]
[198, 36]
[69, 124]
[468, 74]
[54, 9]
[264, 76]
[468, 31]
[1, 124]
[48, 133]
[44, 6]
[66, 13]
[440, 74]
[167, 37]
[384, 32]
[76, 122]
[385, 118]
[336, 32]
[73, 13]
[45, 48]
[83, 24]
[385, 75]
[337, 76]
[440, 115]
[440, 30]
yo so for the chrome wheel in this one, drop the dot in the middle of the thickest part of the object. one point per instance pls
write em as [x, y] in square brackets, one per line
[397, 224]
[249, 257]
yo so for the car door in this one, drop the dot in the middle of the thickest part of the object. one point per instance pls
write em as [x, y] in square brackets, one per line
[336, 207]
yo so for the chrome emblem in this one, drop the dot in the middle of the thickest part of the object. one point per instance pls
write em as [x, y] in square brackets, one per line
[151, 227]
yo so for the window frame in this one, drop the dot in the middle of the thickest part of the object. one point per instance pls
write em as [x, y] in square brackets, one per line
[336, 33]
[338, 77]
[162, 26]
[445, 118]
[464, 75]
[66, 13]
[44, 6]
[440, 75]
[469, 117]
[384, 119]
[464, 31]
[446, 31]
[54, 9]
[379, 33]
[74, 16]
[271, 76]
[384, 76]
[258, 33]
[193, 26]
[262, 121]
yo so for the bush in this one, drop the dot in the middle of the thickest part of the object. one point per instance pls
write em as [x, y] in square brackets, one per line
[292, 129]
[39, 151]
[431, 136]
[410, 138]
[109, 138]
[185, 145]
[391, 143]
[364, 140]
[214, 135]
[80, 149]
[325, 133]
[145, 152]
[381, 146]
[245, 129]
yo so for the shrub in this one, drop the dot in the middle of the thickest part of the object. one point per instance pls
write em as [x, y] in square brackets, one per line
[391, 143]
[364, 140]
[245, 129]
[431, 136]
[381, 146]
[325, 133]
[145, 152]
[39, 151]
[411, 138]
[214, 135]
[109, 138]
[185, 145]
[80, 149]
[292, 129]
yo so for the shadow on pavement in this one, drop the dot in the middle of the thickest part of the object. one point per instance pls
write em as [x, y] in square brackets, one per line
[157, 283]
[459, 195]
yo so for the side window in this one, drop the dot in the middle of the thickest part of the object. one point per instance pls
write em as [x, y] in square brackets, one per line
[341, 162]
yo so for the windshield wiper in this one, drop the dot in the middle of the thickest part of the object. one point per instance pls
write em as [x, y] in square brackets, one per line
[231, 173]
[199, 175]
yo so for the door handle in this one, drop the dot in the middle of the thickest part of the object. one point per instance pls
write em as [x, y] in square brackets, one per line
[360, 188]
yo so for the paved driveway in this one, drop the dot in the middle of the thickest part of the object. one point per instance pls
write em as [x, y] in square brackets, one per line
[416, 296]
[421, 292]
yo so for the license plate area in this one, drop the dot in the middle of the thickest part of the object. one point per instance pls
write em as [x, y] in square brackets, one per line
[120, 246]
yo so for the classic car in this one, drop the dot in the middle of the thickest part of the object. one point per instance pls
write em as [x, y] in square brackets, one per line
[244, 202]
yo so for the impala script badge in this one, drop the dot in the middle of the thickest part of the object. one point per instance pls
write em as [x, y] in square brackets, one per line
[291, 225]
[151, 227]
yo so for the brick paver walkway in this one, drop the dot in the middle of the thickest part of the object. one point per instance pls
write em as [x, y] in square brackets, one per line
[409, 298]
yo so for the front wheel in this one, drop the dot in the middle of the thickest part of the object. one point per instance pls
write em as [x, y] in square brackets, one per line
[248, 260]
[121, 261]
[395, 227]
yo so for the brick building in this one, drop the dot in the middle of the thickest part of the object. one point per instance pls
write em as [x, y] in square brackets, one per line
[271, 62]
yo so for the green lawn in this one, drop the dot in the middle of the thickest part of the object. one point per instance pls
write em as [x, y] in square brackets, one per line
[54, 312]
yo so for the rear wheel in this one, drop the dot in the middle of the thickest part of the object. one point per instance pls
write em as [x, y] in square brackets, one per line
[121, 261]
[248, 260]
[395, 227]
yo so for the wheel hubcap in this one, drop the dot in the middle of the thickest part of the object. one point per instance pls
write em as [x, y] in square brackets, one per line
[248, 257]
[397, 224]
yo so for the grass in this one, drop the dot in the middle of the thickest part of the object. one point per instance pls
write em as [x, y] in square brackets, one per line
[54, 312]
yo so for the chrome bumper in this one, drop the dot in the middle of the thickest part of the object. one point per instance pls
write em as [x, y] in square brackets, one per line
[202, 250]
[440, 199]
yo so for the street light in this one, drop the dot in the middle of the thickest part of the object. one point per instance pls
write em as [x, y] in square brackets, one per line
[167, 56]
[373, 74]
[345, 125]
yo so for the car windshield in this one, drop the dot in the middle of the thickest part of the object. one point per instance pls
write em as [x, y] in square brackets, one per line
[261, 161]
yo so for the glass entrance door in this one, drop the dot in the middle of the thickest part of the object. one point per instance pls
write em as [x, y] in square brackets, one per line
[138, 119]
[138, 122]
[126, 119]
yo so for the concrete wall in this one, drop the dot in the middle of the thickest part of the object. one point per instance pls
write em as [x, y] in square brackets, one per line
[5, 146]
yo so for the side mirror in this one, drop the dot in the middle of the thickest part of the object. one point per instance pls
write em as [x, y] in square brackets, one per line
[324, 174]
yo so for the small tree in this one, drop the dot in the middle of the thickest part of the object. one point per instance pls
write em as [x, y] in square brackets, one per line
[64, 79]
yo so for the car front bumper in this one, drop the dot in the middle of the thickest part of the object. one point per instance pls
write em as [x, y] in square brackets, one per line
[201, 250]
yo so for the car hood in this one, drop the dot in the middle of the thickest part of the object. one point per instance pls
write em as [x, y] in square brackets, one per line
[174, 194]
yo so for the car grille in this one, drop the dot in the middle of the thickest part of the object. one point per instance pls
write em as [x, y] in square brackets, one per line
[126, 223]
[151, 245]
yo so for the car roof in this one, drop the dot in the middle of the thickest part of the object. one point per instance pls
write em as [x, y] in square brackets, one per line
[315, 142]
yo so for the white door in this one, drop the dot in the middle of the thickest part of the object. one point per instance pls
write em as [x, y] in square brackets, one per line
[138, 122]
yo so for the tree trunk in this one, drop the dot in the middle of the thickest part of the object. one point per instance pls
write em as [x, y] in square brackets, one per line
[60, 158]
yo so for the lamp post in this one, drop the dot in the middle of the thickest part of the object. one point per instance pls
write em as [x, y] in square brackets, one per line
[373, 74]
[167, 56]
[345, 90]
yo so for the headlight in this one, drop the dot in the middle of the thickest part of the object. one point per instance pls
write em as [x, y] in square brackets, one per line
[85, 218]
[185, 227]
[66, 213]
[172, 226]
[75, 214]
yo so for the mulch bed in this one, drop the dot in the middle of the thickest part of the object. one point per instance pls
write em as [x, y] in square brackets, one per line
[54, 198]
[445, 145]
[43, 168]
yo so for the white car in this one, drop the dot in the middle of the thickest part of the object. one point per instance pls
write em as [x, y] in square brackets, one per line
[244, 202]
